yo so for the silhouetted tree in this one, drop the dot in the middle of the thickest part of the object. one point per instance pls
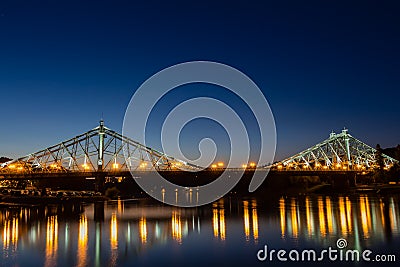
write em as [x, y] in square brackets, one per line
[379, 157]
[112, 192]
[379, 161]
[4, 159]
[397, 152]
[394, 173]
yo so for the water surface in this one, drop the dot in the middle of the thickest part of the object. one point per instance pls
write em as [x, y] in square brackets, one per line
[228, 232]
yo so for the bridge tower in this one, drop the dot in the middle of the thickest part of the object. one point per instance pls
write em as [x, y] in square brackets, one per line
[100, 177]
[101, 147]
[347, 146]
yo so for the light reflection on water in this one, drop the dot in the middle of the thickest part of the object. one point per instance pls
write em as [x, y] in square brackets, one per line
[51, 241]
[363, 218]
[82, 241]
[128, 232]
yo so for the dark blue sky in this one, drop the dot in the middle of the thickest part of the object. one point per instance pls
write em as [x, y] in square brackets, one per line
[322, 65]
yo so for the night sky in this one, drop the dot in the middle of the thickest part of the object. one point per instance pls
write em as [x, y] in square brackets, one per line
[322, 65]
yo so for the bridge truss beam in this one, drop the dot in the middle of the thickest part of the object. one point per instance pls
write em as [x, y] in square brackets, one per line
[88, 153]
[339, 152]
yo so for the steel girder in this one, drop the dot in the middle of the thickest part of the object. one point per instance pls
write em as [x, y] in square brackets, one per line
[90, 152]
[339, 152]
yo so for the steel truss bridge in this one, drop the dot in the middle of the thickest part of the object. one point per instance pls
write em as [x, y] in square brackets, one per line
[340, 152]
[105, 151]
[98, 150]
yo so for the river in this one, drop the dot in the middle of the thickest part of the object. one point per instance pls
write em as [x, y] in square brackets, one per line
[229, 232]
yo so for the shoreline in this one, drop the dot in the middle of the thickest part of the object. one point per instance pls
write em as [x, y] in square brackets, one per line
[325, 189]
[7, 201]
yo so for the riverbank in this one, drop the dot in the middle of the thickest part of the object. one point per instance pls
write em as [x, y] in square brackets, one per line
[6, 200]
[360, 189]
[325, 189]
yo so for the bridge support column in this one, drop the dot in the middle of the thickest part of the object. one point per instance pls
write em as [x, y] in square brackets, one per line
[100, 182]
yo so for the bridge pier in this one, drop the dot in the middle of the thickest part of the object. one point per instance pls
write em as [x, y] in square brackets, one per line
[100, 182]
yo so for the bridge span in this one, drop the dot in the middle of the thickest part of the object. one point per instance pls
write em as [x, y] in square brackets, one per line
[101, 153]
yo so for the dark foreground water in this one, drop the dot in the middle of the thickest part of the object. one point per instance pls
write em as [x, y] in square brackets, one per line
[227, 233]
